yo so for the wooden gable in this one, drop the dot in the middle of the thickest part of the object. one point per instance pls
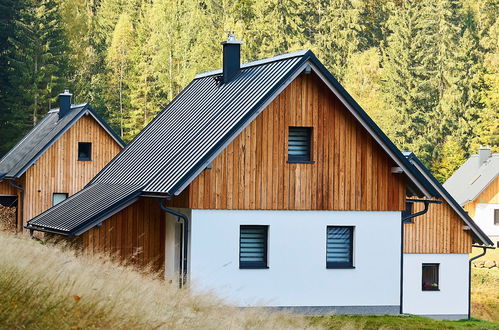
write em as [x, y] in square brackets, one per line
[350, 171]
[58, 170]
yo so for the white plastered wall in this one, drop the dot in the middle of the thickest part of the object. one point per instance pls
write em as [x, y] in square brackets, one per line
[484, 217]
[452, 299]
[297, 274]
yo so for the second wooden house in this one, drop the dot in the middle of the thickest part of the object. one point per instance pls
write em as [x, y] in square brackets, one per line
[56, 159]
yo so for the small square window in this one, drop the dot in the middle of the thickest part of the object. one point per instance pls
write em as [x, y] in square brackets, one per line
[84, 151]
[58, 197]
[299, 144]
[253, 247]
[339, 247]
[430, 277]
[496, 217]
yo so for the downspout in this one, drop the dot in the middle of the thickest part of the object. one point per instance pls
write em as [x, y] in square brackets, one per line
[20, 204]
[407, 219]
[185, 238]
[469, 274]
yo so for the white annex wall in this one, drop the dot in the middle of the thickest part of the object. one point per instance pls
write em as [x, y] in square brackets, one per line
[297, 274]
[452, 299]
[484, 217]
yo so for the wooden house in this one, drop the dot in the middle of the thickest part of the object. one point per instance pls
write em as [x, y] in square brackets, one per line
[56, 159]
[475, 185]
[267, 184]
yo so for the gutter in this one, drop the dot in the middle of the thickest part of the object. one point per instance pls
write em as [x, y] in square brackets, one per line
[20, 205]
[469, 273]
[407, 219]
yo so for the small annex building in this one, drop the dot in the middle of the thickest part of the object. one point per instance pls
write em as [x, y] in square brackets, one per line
[475, 186]
[267, 184]
[56, 159]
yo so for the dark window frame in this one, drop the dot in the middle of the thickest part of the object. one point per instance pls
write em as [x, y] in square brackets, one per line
[432, 288]
[341, 265]
[89, 146]
[58, 193]
[255, 265]
[496, 217]
[302, 159]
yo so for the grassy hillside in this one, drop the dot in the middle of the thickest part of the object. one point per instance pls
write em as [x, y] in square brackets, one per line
[485, 289]
[47, 287]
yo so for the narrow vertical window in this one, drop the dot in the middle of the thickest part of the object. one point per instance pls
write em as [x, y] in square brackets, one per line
[253, 247]
[496, 217]
[430, 277]
[58, 197]
[84, 151]
[299, 144]
[339, 247]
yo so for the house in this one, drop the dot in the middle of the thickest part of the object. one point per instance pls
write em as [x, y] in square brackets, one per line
[475, 186]
[57, 158]
[267, 184]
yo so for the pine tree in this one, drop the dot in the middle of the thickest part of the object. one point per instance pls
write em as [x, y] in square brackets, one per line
[118, 60]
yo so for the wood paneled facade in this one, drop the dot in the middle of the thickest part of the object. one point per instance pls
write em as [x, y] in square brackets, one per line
[58, 170]
[135, 235]
[440, 230]
[489, 196]
[350, 171]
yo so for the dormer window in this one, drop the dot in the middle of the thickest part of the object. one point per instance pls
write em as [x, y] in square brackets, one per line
[299, 144]
[84, 151]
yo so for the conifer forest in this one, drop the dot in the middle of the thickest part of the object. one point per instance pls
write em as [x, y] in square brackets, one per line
[426, 71]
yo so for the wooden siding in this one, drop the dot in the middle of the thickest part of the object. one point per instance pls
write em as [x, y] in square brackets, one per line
[135, 235]
[440, 230]
[351, 172]
[489, 196]
[58, 169]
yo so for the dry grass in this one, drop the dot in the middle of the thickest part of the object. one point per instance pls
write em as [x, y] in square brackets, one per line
[43, 287]
[485, 289]
[48, 287]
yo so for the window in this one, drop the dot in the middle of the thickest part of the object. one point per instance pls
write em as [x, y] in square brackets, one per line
[253, 247]
[84, 151]
[299, 144]
[58, 197]
[496, 217]
[339, 247]
[430, 277]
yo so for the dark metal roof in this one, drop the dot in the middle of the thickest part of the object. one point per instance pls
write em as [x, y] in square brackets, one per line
[478, 235]
[72, 216]
[42, 136]
[181, 141]
[471, 179]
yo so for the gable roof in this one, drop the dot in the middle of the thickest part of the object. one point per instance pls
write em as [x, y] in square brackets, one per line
[42, 136]
[471, 179]
[205, 117]
[478, 235]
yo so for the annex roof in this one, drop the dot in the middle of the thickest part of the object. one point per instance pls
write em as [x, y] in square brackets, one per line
[42, 136]
[205, 117]
[478, 235]
[472, 178]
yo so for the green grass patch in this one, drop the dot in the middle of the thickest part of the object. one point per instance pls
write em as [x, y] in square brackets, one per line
[396, 322]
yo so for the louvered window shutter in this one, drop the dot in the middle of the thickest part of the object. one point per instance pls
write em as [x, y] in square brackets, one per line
[339, 247]
[299, 144]
[253, 247]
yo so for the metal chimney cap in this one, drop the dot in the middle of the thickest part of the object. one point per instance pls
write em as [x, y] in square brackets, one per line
[66, 92]
[231, 39]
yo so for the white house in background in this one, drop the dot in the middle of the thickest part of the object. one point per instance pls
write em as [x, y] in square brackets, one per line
[267, 184]
[475, 186]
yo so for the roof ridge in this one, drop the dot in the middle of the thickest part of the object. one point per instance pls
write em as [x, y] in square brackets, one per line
[263, 61]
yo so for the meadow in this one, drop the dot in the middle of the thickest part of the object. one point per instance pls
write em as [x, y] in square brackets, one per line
[44, 286]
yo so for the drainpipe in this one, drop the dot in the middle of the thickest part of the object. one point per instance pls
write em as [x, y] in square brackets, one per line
[20, 204]
[185, 235]
[469, 274]
[407, 219]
